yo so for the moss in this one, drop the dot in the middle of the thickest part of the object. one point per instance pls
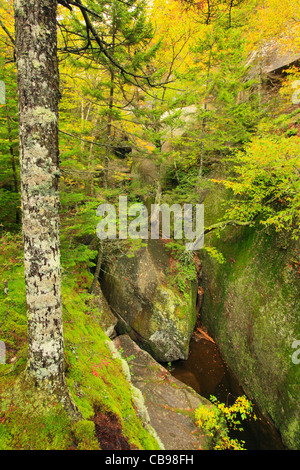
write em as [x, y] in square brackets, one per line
[94, 375]
[251, 307]
[84, 433]
[32, 419]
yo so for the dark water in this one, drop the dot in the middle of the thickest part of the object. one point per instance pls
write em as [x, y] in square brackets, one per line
[207, 373]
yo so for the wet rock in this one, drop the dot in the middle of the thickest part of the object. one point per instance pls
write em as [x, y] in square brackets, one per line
[251, 307]
[149, 307]
[170, 403]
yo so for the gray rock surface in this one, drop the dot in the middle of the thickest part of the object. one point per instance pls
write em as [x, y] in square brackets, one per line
[149, 307]
[170, 403]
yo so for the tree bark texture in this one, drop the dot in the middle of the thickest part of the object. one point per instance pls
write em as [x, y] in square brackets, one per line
[38, 86]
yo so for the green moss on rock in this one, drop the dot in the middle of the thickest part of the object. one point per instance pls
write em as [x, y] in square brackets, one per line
[251, 306]
[150, 308]
[95, 377]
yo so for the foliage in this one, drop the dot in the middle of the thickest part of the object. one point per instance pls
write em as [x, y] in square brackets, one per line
[218, 420]
[95, 378]
[182, 273]
[266, 183]
[110, 120]
[217, 83]
[267, 20]
[9, 141]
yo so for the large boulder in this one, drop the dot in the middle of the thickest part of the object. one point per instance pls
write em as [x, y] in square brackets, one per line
[170, 404]
[186, 117]
[146, 171]
[150, 308]
[251, 308]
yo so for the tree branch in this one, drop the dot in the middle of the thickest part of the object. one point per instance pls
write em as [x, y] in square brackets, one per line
[90, 29]
[226, 223]
[7, 32]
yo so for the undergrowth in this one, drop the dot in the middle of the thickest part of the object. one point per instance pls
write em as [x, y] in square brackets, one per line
[94, 377]
[217, 421]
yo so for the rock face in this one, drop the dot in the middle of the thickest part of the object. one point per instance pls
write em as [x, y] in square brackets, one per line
[107, 320]
[153, 312]
[170, 404]
[186, 117]
[251, 307]
[146, 171]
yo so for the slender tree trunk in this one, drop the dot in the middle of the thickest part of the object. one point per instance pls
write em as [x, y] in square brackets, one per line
[97, 270]
[200, 172]
[91, 168]
[109, 128]
[260, 79]
[82, 121]
[13, 162]
[110, 105]
[38, 85]
[204, 121]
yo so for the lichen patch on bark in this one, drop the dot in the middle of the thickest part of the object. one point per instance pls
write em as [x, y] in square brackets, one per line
[38, 86]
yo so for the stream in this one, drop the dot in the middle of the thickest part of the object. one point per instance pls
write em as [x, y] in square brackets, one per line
[207, 373]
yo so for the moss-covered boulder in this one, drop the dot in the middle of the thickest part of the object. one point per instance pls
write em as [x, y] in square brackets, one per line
[251, 307]
[151, 309]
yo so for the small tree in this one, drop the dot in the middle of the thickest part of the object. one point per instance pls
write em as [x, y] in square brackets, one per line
[9, 155]
[225, 120]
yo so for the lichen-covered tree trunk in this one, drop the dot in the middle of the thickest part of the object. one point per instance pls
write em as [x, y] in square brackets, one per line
[38, 86]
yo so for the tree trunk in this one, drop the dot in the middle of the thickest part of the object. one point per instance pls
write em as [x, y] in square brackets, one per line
[109, 129]
[110, 105]
[38, 86]
[200, 172]
[13, 162]
[97, 270]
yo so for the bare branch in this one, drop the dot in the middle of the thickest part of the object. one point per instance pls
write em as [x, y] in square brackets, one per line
[7, 32]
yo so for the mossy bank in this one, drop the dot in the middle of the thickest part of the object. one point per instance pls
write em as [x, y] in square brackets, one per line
[96, 380]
